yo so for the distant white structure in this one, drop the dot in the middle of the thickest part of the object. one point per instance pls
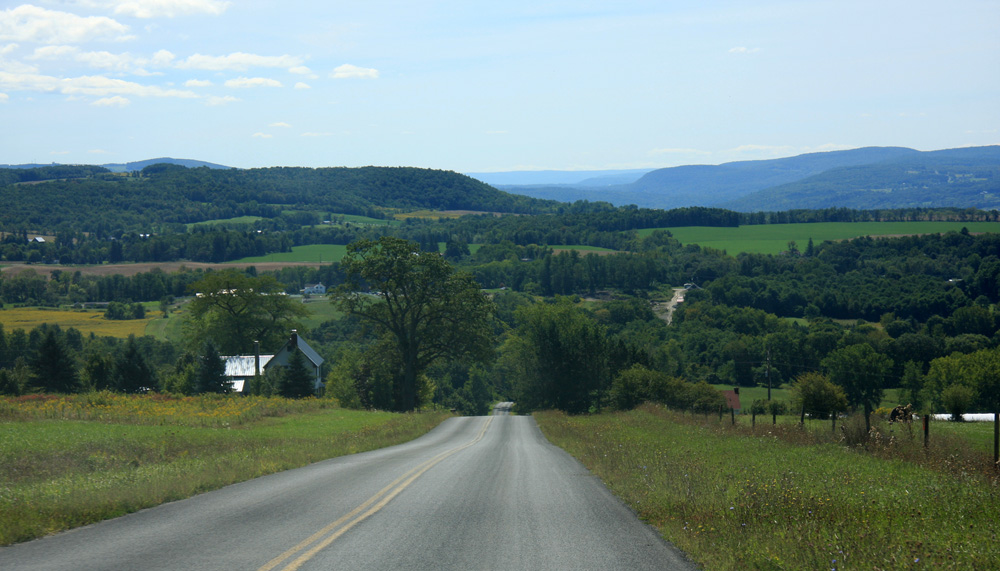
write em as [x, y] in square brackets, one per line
[969, 417]
[314, 289]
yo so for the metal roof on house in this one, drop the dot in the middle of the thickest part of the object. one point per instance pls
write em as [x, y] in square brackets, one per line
[308, 351]
[243, 365]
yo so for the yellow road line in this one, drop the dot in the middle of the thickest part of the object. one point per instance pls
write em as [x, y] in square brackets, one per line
[331, 532]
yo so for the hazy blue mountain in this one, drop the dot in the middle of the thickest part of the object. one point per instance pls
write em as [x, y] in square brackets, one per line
[139, 165]
[711, 185]
[866, 178]
[964, 178]
[133, 166]
[546, 178]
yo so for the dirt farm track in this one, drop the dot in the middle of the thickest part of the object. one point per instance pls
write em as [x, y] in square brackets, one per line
[132, 269]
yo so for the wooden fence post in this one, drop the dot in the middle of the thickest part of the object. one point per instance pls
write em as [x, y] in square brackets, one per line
[927, 419]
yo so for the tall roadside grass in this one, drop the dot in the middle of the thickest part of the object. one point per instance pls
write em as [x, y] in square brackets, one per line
[71, 461]
[768, 498]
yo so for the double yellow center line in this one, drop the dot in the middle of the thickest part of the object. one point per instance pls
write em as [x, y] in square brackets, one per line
[309, 547]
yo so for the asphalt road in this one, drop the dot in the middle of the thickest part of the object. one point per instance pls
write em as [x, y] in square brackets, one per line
[475, 493]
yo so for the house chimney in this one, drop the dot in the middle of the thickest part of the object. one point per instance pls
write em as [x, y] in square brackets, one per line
[293, 342]
[256, 358]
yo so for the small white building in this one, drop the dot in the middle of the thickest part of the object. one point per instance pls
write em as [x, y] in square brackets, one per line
[314, 289]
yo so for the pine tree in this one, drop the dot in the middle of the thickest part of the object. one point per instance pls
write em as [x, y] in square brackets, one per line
[297, 380]
[53, 369]
[211, 375]
[132, 374]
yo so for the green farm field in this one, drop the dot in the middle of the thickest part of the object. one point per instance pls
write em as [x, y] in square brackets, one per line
[890, 398]
[317, 253]
[774, 238]
[224, 221]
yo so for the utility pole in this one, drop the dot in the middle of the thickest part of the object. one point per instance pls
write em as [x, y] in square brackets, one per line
[768, 372]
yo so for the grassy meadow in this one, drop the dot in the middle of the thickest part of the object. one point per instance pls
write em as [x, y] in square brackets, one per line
[66, 461]
[317, 253]
[890, 398]
[778, 497]
[87, 321]
[774, 238]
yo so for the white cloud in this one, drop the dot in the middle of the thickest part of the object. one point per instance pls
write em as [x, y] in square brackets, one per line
[29, 23]
[92, 85]
[302, 85]
[164, 8]
[197, 83]
[238, 61]
[124, 62]
[245, 82]
[116, 101]
[54, 52]
[4, 98]
[107, 60]
[162, 58]
[744, 50]
[262, 136]
[279, 124]
[348, 71]
[96, 85]
[216, 100]
[303, 70]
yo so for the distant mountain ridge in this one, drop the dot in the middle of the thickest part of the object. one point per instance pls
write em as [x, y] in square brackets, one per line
[133, 166]
[865, 178]
[560, 177]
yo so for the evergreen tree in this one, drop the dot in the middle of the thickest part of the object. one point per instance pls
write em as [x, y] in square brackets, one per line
[53, 369]
[211, 375]
[297, 380]
[132, 374]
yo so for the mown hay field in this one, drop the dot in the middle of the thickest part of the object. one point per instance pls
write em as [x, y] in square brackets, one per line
[87, 321]
[316, 253]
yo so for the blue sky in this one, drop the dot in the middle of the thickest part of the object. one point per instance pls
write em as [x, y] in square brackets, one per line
[477, 86]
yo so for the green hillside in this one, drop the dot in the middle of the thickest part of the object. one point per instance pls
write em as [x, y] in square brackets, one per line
[91, 199]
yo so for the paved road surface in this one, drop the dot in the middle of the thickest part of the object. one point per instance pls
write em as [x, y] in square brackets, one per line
[475, 493]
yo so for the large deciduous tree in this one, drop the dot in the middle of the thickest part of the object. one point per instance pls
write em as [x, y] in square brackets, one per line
[861, 372]
[558, 356]
[815, 395]
[233, 309]
[427, 309]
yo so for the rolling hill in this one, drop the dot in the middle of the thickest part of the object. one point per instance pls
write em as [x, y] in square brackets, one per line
[85, 198]
[872, 177]
[963, 178]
